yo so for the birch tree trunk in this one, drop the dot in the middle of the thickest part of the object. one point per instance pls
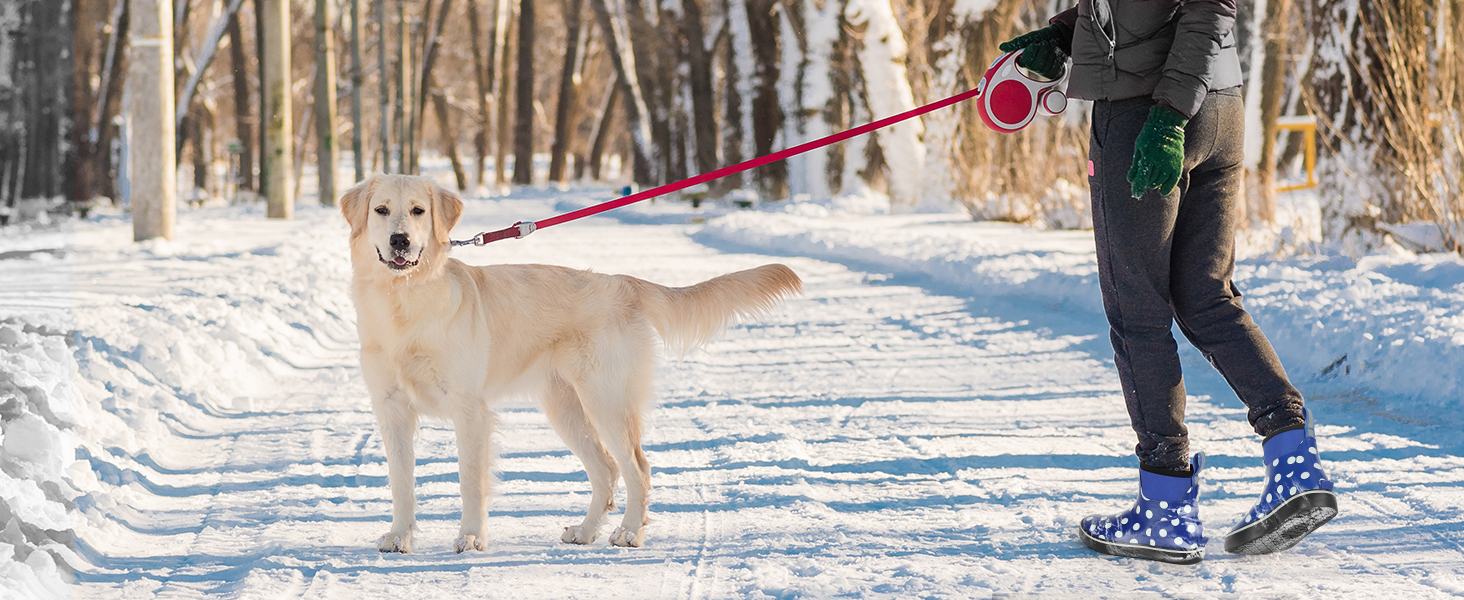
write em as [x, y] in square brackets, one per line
[325, 100]
[152, 172]
[523, 127]
[279, 147]
[560, 147]
[703, 98]
[636, 113]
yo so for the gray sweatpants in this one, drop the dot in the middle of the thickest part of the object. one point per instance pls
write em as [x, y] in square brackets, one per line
[1166, 258]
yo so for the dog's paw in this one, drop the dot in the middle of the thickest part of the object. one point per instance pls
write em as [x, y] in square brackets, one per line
[395, 542]
[578, 534]
[627, 538]
[468, 541]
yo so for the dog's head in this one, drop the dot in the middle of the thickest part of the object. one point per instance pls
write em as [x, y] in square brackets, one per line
[400, 222]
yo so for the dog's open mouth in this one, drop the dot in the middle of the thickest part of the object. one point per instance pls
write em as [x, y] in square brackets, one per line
[398, 261]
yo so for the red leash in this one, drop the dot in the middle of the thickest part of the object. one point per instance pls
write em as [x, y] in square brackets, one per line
[522, 228]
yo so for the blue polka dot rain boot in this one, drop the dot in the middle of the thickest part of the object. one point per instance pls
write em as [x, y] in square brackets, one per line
[1163, 525]
[1297, 500]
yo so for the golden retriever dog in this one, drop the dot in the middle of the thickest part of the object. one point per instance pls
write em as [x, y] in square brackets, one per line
[440, 338]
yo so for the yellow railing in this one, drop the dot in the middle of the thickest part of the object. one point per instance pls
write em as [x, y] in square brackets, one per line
[1306, 125]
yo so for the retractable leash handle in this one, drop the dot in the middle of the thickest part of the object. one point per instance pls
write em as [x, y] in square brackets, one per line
[1011, 97]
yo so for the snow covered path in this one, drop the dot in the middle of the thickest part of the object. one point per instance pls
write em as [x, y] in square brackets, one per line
[874, 437]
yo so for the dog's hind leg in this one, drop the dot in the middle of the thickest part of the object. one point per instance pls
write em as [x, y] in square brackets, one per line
[475, 455]
[565, 413]
[614, 399]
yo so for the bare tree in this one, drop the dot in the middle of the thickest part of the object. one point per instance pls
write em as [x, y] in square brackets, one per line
[358, 158]
[623, 61]
[1273, 80]
[449, 138]
[151, 121]
[242, 126]
[703, 99]
[424, 82]
[523, 127]
[384, 97]
[325, 100]
[279, 147]
[504, 41]
[602, 129]
[562, 117]
[481, 67]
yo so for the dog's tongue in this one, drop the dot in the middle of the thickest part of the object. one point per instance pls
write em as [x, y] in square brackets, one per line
[400, 260]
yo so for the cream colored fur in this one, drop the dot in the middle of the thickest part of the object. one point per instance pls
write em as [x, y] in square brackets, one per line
[446, 339]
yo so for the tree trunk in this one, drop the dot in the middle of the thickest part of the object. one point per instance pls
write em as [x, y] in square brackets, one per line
[104, 128]
[485, 89]
[449, 138]
[279, 147]
[325, 101]
[404, 84]
[703, 98]
[562, 117]
[505, 86]
[625, 78]
[242, 127]
[42, 63]
[88, 21]
[151, 172]
[1273, 80]
[523, 127]
[358, 159]
[732, 111]
[264, 116]
[382, 75]
[200, 134]
[424, 81]
[767, 110]
[602, 129]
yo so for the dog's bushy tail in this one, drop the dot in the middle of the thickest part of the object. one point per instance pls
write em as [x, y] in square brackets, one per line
[686, 317]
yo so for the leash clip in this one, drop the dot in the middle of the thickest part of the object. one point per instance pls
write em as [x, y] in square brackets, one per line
[525, 228]
[476, 240]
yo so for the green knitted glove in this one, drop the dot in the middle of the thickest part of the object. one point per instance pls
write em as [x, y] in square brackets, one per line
[1158, 152]
[1041, 51]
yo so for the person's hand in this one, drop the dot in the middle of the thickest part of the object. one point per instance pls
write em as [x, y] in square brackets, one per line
[1041, 51]
[1158, 152]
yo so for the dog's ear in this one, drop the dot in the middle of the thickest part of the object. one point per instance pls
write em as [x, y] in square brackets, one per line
[447, 208]
[353, 205]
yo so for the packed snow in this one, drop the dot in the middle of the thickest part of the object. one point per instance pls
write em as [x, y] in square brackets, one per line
[931, 419]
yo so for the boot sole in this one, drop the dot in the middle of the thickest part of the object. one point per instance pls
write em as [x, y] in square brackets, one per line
[1177, 557]
[1288, 524]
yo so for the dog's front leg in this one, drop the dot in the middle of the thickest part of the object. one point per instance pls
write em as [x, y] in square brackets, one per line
[398, 423]
[475, 456]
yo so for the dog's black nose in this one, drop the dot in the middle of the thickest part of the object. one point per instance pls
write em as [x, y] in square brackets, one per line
[399, 241]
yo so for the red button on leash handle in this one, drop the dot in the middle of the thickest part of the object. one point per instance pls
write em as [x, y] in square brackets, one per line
[1011, 98]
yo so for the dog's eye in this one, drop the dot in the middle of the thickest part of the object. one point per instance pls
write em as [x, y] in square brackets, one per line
[382, 210]
[417, 211]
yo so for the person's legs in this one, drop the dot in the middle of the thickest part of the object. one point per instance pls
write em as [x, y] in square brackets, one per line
[1202, 261]
[1134, 238]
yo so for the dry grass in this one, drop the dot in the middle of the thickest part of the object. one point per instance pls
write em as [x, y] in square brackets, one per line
[1414, 109]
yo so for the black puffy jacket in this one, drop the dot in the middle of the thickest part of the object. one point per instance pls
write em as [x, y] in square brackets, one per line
[1176, 51]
